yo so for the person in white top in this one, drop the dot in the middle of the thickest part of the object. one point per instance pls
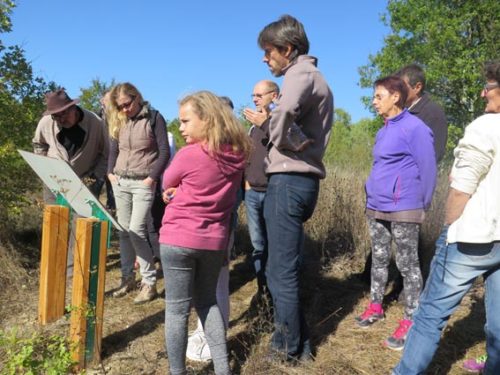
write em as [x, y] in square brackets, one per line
[469, 245]
[171, 144]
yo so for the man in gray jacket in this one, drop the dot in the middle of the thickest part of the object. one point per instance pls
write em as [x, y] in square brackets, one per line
[292, 191]
[68, 132]
[73, 134]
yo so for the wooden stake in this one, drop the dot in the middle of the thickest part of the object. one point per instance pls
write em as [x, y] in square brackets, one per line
[101, 289]
[53, 263]
[79, 298]
[88, 290]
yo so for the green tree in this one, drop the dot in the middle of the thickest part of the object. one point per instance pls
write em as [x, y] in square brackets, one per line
[340, 138]
[21, 106]
[350, 145]
[90, 96]
[247, 124]
[173, 127]
[6, 7]
[451, 39]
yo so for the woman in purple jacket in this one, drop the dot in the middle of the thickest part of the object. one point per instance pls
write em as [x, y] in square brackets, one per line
[398, 191]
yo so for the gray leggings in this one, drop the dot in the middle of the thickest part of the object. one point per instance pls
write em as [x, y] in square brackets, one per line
[405, 236]
[191, 279]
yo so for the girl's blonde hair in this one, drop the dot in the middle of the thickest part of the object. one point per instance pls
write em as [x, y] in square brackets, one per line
[222, 126]
[116, 118]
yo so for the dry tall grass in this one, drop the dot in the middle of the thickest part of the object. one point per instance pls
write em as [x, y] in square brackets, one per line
[12, 271]
[19, 245]
[19, 258]
[338, 227]
[336, 246]
[333, 293]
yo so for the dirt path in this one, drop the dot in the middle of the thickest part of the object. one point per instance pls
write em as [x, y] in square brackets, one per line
[133, 340]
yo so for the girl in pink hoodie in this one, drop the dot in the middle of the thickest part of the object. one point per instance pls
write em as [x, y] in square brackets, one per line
[200, 188]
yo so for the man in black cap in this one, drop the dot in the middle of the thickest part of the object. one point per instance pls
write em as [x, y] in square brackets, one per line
[73, 134]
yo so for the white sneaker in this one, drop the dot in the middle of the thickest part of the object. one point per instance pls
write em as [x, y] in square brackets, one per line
[197, 347]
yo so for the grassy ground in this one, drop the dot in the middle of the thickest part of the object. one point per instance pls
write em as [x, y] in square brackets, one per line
[332, 291]
[133, 340]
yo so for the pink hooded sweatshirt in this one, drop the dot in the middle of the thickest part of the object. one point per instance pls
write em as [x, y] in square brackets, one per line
[199, 214]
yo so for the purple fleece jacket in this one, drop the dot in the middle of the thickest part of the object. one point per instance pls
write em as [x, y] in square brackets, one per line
[403, 174]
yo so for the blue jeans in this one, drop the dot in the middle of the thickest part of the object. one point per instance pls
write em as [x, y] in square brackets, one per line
[290, 201]
[453, 271]
[254, 202]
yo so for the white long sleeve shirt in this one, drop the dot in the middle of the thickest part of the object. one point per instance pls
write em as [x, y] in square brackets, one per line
[476, 171]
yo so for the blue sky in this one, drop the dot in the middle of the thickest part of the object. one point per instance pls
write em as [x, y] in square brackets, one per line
[171, 48]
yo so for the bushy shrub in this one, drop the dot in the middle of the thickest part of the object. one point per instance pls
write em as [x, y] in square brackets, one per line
[455, 133]
[38, 354]
[21, 106]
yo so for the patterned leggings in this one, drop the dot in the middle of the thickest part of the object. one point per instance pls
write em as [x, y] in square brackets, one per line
[405, 236]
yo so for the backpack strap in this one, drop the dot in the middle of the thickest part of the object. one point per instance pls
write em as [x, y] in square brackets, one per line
[154, 116]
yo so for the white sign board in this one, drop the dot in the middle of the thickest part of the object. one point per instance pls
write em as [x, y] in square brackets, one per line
[59, 177]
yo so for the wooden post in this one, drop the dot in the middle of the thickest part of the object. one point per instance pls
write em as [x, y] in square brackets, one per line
[96, 291]
[79, 298]
[105, 226]
[53, 263]
[88, 290]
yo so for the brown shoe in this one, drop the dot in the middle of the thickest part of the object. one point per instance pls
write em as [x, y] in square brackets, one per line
[146, 293]
[128, 284]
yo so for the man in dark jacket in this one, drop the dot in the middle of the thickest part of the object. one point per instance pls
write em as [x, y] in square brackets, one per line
[421, 105]
[264, 93]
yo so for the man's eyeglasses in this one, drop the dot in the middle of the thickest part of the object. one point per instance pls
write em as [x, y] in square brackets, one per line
[60, 115]
[490, 86]
[260, 96]
[127, 105]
